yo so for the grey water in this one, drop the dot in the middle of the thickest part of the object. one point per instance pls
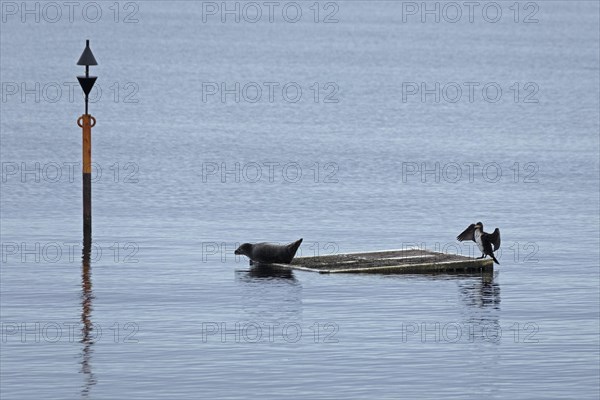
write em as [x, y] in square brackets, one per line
[356, 125]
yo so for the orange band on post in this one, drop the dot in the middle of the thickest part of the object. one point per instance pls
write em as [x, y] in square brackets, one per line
[85, 121]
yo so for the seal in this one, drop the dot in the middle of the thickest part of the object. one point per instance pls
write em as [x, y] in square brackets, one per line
[269, 253]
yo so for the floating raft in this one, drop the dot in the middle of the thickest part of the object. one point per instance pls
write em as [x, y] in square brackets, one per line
[408, 261]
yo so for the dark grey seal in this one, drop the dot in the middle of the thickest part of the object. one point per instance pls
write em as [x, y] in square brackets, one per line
[269, 253]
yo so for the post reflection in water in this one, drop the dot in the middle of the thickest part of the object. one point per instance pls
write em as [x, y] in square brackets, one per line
[87, 337]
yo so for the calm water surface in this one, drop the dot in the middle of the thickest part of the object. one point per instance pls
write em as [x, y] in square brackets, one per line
[164, 310]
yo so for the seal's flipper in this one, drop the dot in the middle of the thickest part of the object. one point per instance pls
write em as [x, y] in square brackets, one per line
[292, 248]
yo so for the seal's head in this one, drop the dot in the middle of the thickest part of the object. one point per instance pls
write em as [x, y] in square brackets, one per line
[244, 249]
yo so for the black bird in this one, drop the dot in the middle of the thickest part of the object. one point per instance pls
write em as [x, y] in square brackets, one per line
[488, 243]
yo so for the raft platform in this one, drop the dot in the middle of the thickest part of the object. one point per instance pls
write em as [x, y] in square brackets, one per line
[406, 261]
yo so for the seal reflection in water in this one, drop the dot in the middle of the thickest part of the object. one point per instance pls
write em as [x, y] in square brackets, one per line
[269, 253]
[261, 272]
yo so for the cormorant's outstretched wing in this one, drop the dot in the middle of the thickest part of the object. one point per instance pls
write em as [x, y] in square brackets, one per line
[494, 238]
[468, 234]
